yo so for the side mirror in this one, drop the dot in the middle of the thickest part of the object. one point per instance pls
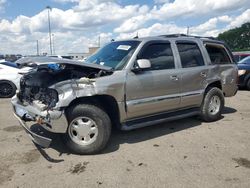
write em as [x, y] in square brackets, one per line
[142, 64]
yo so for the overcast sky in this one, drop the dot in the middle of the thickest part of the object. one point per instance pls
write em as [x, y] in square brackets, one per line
[76, 24]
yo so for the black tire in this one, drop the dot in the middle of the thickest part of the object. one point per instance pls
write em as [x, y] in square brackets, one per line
[212, 114]
[248, 85]
[7, 89]
[101, 121]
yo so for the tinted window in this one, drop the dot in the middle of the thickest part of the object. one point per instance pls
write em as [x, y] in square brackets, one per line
[190, 55]
[160, 56]
[217, 54]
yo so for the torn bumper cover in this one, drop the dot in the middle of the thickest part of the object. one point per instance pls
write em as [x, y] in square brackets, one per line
[29, 115]
[38, 139]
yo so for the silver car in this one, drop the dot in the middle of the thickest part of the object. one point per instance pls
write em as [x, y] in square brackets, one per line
[127, 84]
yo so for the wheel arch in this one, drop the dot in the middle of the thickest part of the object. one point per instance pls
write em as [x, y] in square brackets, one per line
[106, 102]
[216, 83]
[9, 81]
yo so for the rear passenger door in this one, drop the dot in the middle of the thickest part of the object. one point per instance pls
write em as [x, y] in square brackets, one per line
[193, 73]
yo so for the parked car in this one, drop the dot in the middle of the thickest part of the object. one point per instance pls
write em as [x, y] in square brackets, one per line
[10, 76]
[244, 72]
[128, 84]
[1, 57]
[238, 56]
[61, 56]
[38, 60]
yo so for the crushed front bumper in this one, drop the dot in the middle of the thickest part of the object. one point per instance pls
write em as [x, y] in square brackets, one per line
[30, 115]
[38, 139]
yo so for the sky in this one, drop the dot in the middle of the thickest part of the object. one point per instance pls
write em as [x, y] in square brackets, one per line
[78, 24]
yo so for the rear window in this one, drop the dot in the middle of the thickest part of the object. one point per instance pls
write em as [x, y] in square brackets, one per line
[217, 54]
[67, 57]
[190, 55]
[245, 61]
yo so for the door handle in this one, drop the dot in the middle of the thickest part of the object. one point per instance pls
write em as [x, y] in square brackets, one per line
[174, 77]
[203, 74]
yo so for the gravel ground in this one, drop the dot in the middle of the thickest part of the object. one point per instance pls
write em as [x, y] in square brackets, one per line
[184, 153]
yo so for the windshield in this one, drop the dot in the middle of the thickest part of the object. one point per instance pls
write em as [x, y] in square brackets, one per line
[115, 54]
[246, 60]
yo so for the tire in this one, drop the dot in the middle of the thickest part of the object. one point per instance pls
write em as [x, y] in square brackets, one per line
[212, 105]
[7, 89]
[89, 129]
[248, 85]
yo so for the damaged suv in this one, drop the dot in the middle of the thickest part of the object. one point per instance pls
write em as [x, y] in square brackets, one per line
[127, 84]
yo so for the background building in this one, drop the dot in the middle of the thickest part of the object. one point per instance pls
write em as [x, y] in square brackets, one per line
[82, 56]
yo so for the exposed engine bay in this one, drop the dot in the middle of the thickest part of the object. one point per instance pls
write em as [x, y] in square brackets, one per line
[35, 86]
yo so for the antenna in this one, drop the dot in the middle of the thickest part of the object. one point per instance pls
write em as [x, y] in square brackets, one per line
[137, 35]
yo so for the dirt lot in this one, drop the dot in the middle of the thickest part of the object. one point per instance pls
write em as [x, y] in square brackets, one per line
[184, 153]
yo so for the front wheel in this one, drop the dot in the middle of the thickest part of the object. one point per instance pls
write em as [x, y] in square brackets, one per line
[213, 104]
[89, 129]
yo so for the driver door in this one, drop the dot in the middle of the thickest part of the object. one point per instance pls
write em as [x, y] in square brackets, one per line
[157, 89]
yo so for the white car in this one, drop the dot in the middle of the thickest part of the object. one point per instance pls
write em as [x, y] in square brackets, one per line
[10, 76]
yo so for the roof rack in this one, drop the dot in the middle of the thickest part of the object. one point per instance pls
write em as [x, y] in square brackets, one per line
[184, 35]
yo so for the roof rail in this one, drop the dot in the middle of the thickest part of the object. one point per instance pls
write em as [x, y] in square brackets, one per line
[184, 35]
[174, 35]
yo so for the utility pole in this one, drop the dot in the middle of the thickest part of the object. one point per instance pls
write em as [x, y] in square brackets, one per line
[50, 42]
[187, 30]
[53, 43]
[37, 47]
[99, 41]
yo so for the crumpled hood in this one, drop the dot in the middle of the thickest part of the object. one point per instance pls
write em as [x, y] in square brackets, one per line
[50, 60]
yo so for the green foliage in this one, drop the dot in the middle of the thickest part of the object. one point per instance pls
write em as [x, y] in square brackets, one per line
[238, 39]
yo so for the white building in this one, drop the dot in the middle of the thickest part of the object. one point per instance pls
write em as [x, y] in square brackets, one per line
[81, 56]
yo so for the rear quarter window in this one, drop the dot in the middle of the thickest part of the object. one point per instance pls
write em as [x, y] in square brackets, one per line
[218, 54]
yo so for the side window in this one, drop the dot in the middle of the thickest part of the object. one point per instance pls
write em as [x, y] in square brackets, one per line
[190, 55]
[160, 56]
[217, 54]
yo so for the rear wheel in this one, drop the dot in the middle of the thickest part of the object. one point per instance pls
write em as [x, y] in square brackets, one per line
[7, 89]
[88, 130]
[248, 84]
[213, 104]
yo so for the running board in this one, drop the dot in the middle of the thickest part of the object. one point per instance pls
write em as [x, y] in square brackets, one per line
[160, 118]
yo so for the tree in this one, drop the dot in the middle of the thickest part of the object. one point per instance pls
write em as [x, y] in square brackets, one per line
[238, 39]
